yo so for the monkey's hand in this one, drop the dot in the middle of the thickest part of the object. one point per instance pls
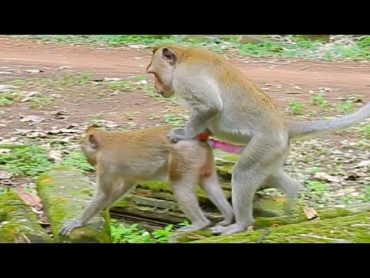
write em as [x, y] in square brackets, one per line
[177, 134]
[70, 226]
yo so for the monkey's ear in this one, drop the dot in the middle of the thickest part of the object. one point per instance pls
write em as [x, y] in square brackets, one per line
[169, 55]
[93, 142]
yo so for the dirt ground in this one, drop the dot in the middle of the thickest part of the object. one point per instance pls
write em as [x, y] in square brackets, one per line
[33, 61]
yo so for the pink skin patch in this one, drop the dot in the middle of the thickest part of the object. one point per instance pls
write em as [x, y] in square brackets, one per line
[226, 147]
[215, 144]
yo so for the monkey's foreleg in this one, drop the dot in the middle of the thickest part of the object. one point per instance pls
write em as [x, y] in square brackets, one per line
[196, 124]
[100, 201]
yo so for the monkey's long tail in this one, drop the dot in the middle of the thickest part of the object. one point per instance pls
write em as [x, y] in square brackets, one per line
[303, 128]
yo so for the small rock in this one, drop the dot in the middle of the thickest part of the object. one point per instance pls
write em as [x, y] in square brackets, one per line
[136, 46]
[4, 175]
[112, 79]
[5, 72]
[6, 88]
[55, 155]
[36, 134]
[34, 71]
[363, 164]
[64, 67]
[32, 118]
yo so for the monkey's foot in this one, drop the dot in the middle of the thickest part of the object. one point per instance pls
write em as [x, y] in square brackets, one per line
[69, 227]
[194, 227]
[225, 222]
[228, 230]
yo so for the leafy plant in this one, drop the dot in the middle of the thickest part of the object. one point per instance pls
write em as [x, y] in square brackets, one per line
[78, 160]
[26, 160]
[296, 107]
[162, 235]
[319, 100]
[134, 234]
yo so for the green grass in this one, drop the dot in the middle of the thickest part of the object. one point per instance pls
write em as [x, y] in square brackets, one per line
[345, 106]
[40, 101]
[317, 187]
[296, 107]
[365, 194]
[75, 79]
[319, 100]
[301, 47]
[7, 99]
[25, 161]
[77, 160]
[364, 131]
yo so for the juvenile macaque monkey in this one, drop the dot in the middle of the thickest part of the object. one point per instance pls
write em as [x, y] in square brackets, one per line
[224, 102]
[123, 158]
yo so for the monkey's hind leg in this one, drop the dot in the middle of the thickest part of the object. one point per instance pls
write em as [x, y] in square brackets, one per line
[261, 158]
[212, 188]
[183, 189]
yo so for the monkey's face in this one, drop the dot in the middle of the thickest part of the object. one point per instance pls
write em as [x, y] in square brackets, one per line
[162, 66]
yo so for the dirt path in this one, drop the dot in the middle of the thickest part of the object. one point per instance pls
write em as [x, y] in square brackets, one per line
[343, 78]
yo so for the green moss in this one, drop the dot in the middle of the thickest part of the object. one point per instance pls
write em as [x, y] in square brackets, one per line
[18, 223]
[163, 187]
[155, 186]
[351, 229]
[3, 214]
[181, 237]
[65, 193]
[224, 171]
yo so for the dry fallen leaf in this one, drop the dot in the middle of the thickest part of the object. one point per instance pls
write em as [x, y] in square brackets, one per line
[55, 155]
[363, 164]
[326, 177]
[28, 199]
[310, 213]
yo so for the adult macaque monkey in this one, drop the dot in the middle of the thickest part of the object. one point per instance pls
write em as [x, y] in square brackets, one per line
[232, 108]
[123, 158]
